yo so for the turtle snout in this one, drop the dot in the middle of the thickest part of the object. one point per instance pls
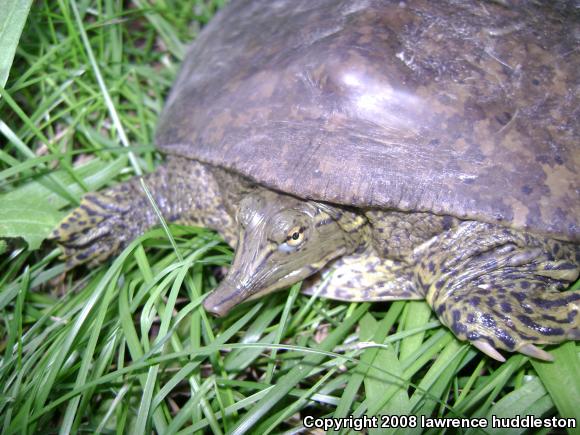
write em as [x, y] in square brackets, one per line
[223, 299]
[214, 309]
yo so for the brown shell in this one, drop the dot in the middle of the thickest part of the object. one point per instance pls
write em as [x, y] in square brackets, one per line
[468, 108]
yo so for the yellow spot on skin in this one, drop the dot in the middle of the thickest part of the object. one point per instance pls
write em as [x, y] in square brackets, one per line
[482, 133]
[350, 224]
[520, 213]
[557, 179]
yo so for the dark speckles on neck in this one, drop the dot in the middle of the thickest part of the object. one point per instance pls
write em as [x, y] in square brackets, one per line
[89, 211]
[459, 328]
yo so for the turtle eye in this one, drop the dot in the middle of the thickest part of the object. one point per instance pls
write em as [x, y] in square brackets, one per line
[295, 236]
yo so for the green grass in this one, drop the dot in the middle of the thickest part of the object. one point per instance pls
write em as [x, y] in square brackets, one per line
[126, 347]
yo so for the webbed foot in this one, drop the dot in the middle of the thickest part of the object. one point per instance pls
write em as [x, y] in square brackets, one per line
[498, 317]
[185, 191]
[504, 294]
[95, 230]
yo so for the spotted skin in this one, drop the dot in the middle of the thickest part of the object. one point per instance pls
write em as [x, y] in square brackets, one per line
[434, 144]
[494, 286]
[282, 240]
[395, 233]
[499, 287]
[364, 276]
[186, 192]
[382, 269]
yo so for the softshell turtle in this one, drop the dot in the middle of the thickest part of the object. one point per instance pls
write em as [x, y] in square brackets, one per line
[385, 149]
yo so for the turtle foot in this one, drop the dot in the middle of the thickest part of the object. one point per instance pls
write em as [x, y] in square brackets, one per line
[94, 231]
[501, 290]
[513, 318]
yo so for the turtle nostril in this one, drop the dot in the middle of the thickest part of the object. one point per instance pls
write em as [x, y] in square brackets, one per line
[214, 309]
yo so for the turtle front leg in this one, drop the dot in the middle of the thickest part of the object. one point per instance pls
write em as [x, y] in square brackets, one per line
[185, 191]
[364, 276]
[500, 289]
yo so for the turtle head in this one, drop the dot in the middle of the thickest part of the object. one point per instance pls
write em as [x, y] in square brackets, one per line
[283, 240]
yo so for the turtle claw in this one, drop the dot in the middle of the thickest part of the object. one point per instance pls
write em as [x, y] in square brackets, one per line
[506, 299]
[535, 352]
[489, 350]
[527, 349]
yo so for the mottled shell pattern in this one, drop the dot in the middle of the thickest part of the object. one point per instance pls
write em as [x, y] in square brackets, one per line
[456, 107]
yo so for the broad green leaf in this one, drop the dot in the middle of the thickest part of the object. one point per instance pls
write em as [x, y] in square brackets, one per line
[95, 174]
[12, 19]
[31, 211]
[22, 218]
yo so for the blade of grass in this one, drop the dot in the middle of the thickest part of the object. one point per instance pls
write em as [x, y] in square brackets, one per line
[12, 22]
[102, 86]
[281, 328]
[562, 379]
[297, 374]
